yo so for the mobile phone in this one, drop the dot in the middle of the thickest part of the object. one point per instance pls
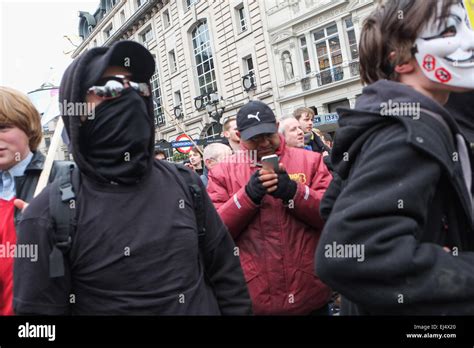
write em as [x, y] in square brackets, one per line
[270, 162]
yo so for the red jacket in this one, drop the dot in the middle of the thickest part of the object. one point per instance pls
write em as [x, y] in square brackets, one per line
[7, 241]
[276, 243]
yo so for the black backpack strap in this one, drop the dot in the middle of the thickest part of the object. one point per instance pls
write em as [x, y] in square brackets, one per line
[193, 183]
[199, 211]
[62, 204]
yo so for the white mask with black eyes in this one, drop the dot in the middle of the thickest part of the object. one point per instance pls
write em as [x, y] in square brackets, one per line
[445, 52]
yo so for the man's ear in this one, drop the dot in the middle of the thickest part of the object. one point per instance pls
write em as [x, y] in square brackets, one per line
[404, 68]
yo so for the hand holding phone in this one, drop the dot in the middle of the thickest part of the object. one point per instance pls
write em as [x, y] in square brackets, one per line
[270, 163]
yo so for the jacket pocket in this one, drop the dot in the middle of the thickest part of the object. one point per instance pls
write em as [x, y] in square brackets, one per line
[257, 286]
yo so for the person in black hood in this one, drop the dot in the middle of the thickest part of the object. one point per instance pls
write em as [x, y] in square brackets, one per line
[399, 232]
[461, 106]
[135, 248]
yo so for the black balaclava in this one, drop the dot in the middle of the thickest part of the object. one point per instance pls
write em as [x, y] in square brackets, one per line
[116, 141]
[116, 145]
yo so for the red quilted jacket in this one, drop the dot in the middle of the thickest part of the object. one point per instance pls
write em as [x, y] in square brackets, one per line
[276, 243]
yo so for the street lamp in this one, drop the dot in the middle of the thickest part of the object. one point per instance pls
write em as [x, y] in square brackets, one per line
[248, 81]
[215, 108]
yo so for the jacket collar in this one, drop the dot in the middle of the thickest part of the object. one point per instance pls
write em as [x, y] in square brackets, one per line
[37, 162]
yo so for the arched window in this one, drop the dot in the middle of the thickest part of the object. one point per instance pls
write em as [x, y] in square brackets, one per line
[204, 61]
[213, 131]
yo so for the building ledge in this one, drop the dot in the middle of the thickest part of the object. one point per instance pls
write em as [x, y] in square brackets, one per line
[321, 89]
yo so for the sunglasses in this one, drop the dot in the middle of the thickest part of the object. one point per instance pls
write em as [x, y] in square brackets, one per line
[113, 86]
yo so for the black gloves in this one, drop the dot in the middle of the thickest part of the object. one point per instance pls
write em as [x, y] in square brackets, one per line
[255, 189]
[286, 188]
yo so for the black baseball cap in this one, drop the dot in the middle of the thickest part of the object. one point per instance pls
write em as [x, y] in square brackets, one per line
[255, 118]
[125, 53]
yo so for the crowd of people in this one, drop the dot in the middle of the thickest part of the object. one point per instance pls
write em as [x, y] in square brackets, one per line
[282, 219]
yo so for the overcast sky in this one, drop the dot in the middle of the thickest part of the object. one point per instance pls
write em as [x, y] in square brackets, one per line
[32, 42]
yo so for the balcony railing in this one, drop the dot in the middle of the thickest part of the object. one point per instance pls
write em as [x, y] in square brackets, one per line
[335, 74]
[330, 75]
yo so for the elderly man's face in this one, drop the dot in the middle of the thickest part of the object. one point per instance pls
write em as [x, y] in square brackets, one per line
[294, 135]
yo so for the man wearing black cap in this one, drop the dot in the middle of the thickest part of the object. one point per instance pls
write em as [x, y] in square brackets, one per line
[273, 216]
[135, 248]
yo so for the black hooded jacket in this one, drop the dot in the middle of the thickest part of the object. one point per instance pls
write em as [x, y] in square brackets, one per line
[400, 195]
[461, 106]
[135, 247]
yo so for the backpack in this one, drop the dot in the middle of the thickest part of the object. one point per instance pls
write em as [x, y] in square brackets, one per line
[62, 203]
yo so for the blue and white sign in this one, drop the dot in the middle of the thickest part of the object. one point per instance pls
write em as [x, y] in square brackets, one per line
[325, 119]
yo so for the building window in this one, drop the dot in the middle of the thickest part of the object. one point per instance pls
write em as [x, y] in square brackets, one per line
[141, 2]
[177, 98]
[146, 36]
[172, 61]
[213, 131]
[166, 19]
[305, 55]
[241, 19]
[189, 3]
[329, 55]
[108, 31]
[248, 65]
[332, 107]
[157, 100]
[351, 37]
[204, 61]
[122, 17]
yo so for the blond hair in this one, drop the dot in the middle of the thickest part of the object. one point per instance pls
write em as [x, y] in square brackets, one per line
[300, 111]
[17, 110]
[226, 125]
